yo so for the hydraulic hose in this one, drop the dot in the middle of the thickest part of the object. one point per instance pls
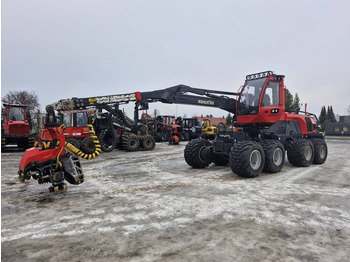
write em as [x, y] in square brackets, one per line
[72, 148]
[78, 152]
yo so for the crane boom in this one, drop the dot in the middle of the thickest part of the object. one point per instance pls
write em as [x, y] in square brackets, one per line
[179, 94]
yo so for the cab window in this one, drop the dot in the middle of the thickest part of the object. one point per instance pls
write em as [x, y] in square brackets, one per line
[271, 95]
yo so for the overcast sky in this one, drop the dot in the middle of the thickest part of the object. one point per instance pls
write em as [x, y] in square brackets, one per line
[65, 48]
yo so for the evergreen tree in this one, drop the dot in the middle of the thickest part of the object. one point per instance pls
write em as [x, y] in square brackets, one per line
[288, 99]
[296, 102]
[228, 119]
[323, 115]
[330, 115]
[323, 118]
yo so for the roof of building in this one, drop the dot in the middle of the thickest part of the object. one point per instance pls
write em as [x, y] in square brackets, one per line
[214, 120]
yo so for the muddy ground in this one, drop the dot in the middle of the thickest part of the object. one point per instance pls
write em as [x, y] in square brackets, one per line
[151, 206]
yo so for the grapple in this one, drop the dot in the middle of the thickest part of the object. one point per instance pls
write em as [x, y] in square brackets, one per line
[53, 160]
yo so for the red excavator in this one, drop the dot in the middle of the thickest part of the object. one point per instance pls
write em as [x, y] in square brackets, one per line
[265, 130]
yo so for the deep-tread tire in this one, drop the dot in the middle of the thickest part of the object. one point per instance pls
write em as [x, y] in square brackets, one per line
[88, 146]
[220, 160]
[148, 143]
[300, 152]
[320, 151]
[165, 136]
[158, 137]
[192, 153]
[247, 159]
[131, 143]
[274, 156]
[74, 142]
[107, 141]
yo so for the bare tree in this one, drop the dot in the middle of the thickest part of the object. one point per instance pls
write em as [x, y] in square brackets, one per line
[348, 109]
[23, 97]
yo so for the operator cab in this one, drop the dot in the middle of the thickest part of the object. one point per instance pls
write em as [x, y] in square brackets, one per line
[261, 100]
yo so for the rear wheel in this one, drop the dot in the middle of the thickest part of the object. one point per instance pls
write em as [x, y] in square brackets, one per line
[131, 143]
[74, 142]
[196, 153]
[88, 146]
[321, 151]
[274, 156]
[247, 159]
[300, 152]
[148, 143]
[158, 137]
[108, 141]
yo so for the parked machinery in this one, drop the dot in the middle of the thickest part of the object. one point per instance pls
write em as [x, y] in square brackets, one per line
[15, 127]
[76, 129]
[115, 130]
[265, 130]
[208, 131]
[52, 159]
[191, 128]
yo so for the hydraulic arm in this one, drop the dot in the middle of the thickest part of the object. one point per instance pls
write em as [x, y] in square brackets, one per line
[179, 94]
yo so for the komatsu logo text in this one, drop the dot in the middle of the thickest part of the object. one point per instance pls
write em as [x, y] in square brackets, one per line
[205, 102]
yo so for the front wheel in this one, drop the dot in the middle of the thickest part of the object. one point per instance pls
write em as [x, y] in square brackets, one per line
[197, 153]
[148, 143]
[247, 159]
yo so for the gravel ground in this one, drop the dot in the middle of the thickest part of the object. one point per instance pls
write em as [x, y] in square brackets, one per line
[151, 206]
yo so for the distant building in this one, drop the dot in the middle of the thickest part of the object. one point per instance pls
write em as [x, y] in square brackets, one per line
[214, 120]
[341, 128]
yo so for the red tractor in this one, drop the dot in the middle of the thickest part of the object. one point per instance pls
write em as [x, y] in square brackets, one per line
[15, 127]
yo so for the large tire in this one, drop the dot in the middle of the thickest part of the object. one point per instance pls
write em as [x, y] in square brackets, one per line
[220, 160]
[74, 142]
[165, 136]
[321, 151]
[108, 141]
[247, 159]
[158, 137]
[148, 143]
[131, 143]
[193, 153]
[88, 146]
[300, 152]
[274, 156]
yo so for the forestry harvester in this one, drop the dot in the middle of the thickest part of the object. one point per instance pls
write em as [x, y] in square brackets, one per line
[265, 131]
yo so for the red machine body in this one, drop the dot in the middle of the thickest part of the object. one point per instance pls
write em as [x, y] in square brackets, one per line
[53, 143]
[262, 101]
[16, 127]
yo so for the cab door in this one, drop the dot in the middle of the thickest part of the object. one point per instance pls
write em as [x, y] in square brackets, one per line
[271, 102]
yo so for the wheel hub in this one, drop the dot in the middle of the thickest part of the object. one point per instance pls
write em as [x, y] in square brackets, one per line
[255, 159]
[308, 153]
[277, 156]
